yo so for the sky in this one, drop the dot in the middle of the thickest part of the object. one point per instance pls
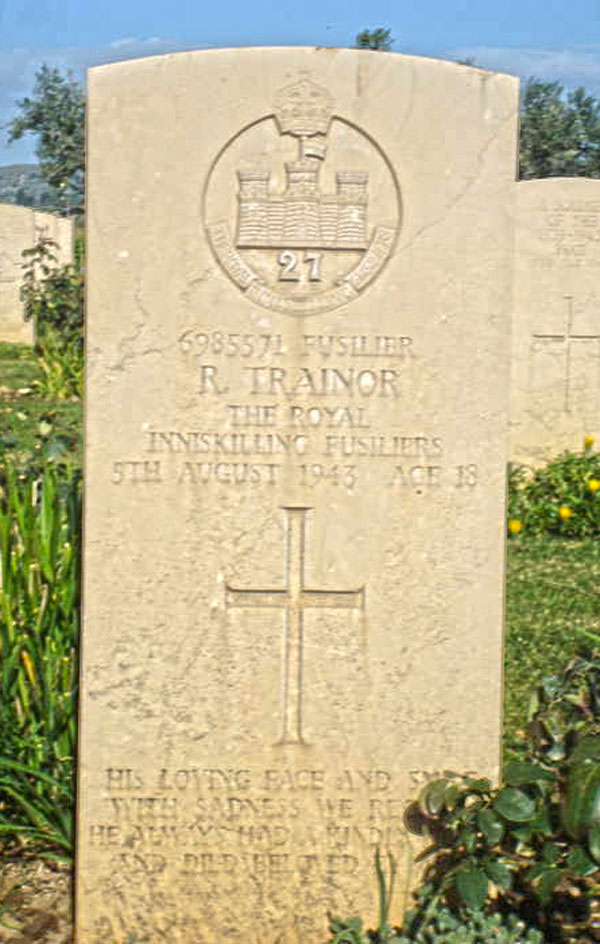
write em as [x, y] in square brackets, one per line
[547, 39]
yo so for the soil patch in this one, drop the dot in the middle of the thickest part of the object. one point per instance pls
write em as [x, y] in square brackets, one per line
[35, 903]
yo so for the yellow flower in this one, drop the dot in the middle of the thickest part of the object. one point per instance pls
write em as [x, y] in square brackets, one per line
[564, 512]
[593, 485]
[514, 525]
[588, 442]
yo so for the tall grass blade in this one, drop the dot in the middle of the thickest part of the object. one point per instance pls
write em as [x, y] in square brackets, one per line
[39, 626]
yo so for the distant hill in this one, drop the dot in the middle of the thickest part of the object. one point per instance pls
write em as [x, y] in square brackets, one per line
[21, 184]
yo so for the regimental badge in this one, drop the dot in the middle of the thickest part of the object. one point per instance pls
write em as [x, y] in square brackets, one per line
[302, 208]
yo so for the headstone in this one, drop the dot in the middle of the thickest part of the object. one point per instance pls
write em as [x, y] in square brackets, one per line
[21, 228]
[556, 342]
[299, 308]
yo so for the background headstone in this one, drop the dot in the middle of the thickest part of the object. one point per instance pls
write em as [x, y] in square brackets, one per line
[555, 389]
[298, 341]
[21, 228]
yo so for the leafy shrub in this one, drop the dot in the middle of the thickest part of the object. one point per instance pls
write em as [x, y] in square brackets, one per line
[444, 928]
[54, 300]
[436, 924]
[474, 927]
[534, 842]
[46, 447]
[54, 294]
[63, 367]
[561, 498]
[514, 863]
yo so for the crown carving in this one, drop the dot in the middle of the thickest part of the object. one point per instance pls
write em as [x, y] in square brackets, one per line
[303, 109]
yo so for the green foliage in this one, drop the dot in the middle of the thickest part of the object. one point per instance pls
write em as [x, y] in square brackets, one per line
[63, 367]
[385, 889]
[33, 431]
[552, 599]
[560, 135]
[39, 626]
[42, 439]
[55, 115]
[566, 708]
[430, 925]
[18, 367]
[562, 498]
[53, 294]
[352, 931]
[533, 842]
[473, 927]
[54, 299]
[445, 927]
[378, 38]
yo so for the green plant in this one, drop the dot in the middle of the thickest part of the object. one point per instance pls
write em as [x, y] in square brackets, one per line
[535, 840]
[566, 707]
[560, 134]
[62, 363]
[54, 299]
[441, 924]
[53, 294]
[55, 115]
[39, 625]
[37, 809]
[552, 599]
[385, 892]
[33, 431]
[473, 927]
[351, 931]
[562, 498]
[45, 446]
[379, 39]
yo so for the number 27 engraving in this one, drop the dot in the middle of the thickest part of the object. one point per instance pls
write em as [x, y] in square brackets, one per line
[290, 263]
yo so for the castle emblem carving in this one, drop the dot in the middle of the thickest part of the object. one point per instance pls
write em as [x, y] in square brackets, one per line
[304, 233]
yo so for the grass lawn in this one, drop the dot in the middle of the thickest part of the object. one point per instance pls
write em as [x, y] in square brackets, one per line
[31, 426]
[552, 605]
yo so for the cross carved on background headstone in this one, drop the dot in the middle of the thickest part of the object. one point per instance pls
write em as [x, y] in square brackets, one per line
[568, 338]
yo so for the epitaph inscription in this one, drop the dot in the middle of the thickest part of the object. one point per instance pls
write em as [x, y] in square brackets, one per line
[573, 231]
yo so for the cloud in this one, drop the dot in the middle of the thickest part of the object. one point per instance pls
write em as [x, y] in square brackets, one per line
[129, 41]
[119, 43]
[572, 66]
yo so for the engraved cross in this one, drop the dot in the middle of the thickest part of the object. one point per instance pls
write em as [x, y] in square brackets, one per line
[293, 598]
[567, 339]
